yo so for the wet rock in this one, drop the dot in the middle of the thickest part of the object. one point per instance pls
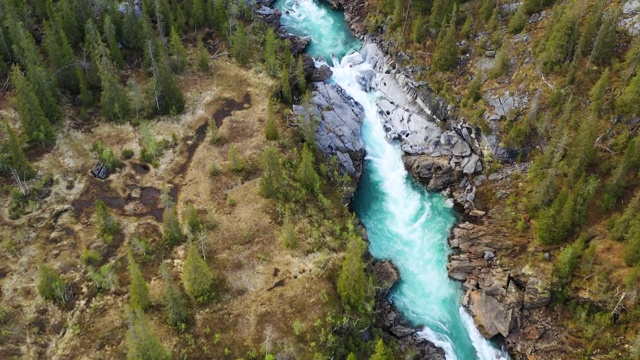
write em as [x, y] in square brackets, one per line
[322, 73]
[386, 274]
[339, 125]
[434, 172]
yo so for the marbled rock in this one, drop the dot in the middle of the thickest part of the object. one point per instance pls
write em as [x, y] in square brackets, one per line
[338, 130]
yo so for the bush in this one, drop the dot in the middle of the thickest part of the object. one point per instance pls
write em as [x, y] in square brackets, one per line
[107, 224]
[91, 257]
[104, 279]
[50, 285]
[288, 234]
[196, 276]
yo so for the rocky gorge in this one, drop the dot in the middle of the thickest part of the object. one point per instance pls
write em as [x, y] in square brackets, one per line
[445, 155]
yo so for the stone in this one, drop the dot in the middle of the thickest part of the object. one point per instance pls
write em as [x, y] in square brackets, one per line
[489, 255]
[338, 131]
[490, 53]
[471, 165]
[435, 173]
[495, 177]
[100, 171]
[386, 274]
[477, 213]
[402, 331]
[490, 316]
[536, 294]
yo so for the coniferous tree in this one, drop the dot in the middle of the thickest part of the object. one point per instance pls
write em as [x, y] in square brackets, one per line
[221, 18]
[34, 123]
[270, 59]
[418, 30]
[192, 221]
[590, 32]
[203, 56]
[164, 92]
[554, 223]
[446, 54]
[440, 13]
[285, 85]
[142, 344]
[272, 179]
[235, 162]
[171, 229]
[287, 56]
[113, 98]
[16, 159]
[604, 42]
[106, 223]
[112, 42]
[352, 281]
[306, 174]
[623, 224]
[381, 352]
[598, 92]
[301, 80]
[138, 289]
[50, 285]
[61, 57]
[559, 47]
[627, 103]
[240, 45]
[178, 53]
[174, 303]
[132, 34]
[271, 127]
[197, 17]
[196, 276]
[488, 6]
[69, 22]
[288, 233]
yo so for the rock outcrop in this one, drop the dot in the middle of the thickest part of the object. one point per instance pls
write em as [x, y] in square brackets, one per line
[339, 120]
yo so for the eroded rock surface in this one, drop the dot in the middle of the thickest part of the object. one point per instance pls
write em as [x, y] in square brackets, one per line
[338, 130]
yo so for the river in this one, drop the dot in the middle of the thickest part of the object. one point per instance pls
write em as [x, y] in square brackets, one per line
[404, 223]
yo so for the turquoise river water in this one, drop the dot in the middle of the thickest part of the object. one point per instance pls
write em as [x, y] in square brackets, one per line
[405, 223]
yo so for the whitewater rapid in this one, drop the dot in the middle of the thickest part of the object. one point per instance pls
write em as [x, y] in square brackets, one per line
[404, 223]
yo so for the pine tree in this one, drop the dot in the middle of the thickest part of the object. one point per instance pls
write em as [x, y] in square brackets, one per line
[440, 14]
[112, 42]
[50, 285]
[287, 56]
[106, 223]
[446, 54]
[69, 22]
[559, 47]
[488, 6]
[164, 92]
[590, 32]
[192, 221]
[235, 161]
[270, 59]
[598, 92]
[61, 57]
[240, 45]
[34, 123]
[603, 45]
[203, 56]
[554, 223]
[352, 281]
[197, 17]
[171, 229]
[288, 233]
[174, 303]
[132, 34]
[113, 99]
[627, 103]
[418, 30]
[306, 174]
[17, 160]
[142, 344]
[301, 80]
[630, 215]
[196, 276]
[271, 127]
[272, 179]
[285, 86]
[381, 352]
[138, 289]
[221, 18]
[178, 53]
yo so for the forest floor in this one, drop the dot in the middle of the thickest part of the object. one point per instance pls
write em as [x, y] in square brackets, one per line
[262, 289]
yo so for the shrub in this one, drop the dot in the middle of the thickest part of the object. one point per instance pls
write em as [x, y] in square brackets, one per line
[50, 285]
[196, 276]
[104, 279]
[91, 257]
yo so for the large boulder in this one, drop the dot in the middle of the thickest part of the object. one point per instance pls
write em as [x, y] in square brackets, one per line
[338, 131]
[434, 172]
[490, 316]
